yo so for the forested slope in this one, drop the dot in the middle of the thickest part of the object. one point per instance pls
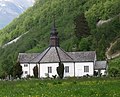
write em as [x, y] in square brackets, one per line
[76, 22]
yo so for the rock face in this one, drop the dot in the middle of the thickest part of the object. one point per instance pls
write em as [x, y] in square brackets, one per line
[108, 52]
[10, 9]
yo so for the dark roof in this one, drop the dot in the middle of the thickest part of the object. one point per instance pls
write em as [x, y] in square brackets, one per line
[56, 54]
[83, 56]
[52, 54]
[26, 57]
[100, 65]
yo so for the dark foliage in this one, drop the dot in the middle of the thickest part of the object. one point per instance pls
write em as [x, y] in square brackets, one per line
[17, 70]
[114, 72]
[54, 76]
[95, 73]
[35, 71]
[81, 26]
[60, 70]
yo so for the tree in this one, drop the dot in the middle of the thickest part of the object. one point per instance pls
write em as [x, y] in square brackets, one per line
[81, 26]
[17, 70]
[7, 66]
[60, 70]
[35, 71]
[85, 44]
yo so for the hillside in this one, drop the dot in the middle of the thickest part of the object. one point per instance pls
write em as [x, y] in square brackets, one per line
[75, 32]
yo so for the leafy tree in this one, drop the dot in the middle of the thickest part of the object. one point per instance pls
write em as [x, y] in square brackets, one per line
[35, 71]
[85, 44]
[60, 70]
[7, 66]
[17, 70]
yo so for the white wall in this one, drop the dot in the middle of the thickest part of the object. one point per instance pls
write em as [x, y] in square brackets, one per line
[44, 69]
[25, 69]
[79, 68]
[71, 70]
[102, 71]
[31, 69]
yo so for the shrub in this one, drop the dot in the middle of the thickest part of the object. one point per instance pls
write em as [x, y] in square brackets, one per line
[114, 72]
[35, 71]
[60, 70]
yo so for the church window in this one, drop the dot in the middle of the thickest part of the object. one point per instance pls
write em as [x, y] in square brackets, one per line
[26, 72]
[86, 68]
[49, 69]
[25, 65]
[66, 69]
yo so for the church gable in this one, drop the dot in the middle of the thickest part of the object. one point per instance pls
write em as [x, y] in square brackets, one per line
[53, 54]
[50, 56]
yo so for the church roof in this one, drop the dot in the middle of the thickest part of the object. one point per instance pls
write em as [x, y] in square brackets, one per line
[83, 56]
[26, 57]
[52, 54]
[56, 54]
[100, 65]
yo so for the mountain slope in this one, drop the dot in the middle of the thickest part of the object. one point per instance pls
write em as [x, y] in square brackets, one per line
[9, 9]
[38, 21]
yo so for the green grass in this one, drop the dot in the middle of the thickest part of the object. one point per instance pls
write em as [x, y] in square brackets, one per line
[90, 87]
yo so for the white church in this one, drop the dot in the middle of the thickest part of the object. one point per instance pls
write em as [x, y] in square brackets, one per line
[76, 64]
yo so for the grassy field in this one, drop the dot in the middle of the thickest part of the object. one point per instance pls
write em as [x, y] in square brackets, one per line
[87, 87]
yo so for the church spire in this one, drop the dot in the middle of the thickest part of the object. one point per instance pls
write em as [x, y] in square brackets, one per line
[54, 39]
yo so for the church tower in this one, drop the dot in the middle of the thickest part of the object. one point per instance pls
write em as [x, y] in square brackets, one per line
[54, 39]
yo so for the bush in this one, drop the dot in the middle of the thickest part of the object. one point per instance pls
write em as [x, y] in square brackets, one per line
[114, 72]
[35, 71]
[60, 70]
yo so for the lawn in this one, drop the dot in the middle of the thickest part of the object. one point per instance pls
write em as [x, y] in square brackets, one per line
[72, 87]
